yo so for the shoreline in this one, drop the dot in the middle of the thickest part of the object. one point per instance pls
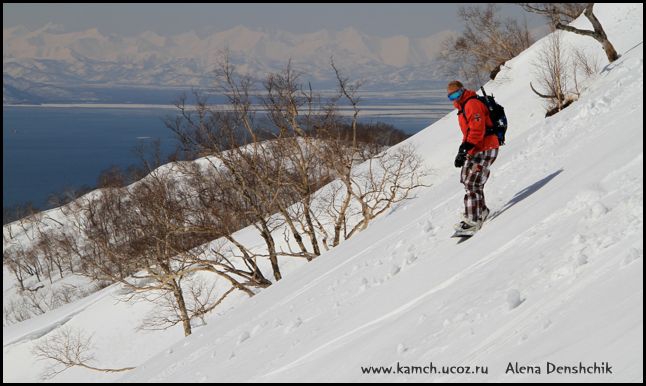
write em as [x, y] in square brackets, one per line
[420, 111]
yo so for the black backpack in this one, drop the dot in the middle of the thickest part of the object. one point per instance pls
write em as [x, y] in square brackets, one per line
[496, 113]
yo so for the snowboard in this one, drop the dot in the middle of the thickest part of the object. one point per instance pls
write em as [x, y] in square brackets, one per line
[462, 237]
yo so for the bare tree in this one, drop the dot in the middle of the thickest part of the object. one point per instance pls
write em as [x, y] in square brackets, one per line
[112, 177]
[488, 41]
[220, 211]
[384, 179]
[156, 235]
[351, 93]
[12, 258]
[249, 167]
[563, 13]
[47, 248]
[14, 312]
[67, 195]
[297, 114]
[17, 212]
[126, 230]
[68, 347]
[560, 14]
[256, 169]
[341, 160]
[200, 299]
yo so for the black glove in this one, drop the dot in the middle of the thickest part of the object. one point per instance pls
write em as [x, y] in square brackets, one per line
[461, 158]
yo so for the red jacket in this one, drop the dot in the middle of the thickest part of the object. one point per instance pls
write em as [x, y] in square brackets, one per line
[474, 124]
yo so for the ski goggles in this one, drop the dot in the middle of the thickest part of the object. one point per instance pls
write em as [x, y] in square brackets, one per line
[455, 95]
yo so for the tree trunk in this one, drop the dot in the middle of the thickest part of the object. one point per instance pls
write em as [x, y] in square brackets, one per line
[258, 277]
[610, 50]
[341, 219]
[271, 247]
[21, 281]
[292, 227]
[181, 305]
[611, 53]
[310, 224]
[598, 34]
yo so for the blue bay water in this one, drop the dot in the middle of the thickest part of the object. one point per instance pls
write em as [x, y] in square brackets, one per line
[46, 150]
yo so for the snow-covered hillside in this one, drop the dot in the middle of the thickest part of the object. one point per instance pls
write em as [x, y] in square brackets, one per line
[556, 275]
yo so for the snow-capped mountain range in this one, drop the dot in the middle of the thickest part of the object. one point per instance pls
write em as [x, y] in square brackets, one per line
[45, 63]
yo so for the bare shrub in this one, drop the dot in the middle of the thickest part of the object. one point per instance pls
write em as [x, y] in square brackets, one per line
[552, 70]
[559, 70]
[588, 64]
[68, 347]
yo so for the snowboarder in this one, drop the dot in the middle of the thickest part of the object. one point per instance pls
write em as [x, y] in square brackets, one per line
[476, 154]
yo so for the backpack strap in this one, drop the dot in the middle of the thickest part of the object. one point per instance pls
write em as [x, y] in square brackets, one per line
[488, 129]
[465, 103]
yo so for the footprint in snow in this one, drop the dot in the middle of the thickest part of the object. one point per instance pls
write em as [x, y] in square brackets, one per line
[513, 299]
[632, 255]
[410, 259]
[256, 329]
[597, 210]
[243, 337]
[579, 241]
[567, 270]
[195, 356]
[364, 285]
[580, 259]
[428, 227]
[294, 325]
[606, 241]
[394, 270]
[546, 324]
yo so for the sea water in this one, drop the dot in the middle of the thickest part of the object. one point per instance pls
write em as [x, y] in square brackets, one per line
[49, 149]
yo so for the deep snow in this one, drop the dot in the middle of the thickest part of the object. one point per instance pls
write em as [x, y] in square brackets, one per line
[556, 275]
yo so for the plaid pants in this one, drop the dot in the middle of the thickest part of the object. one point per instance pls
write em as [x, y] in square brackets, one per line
[474, 175]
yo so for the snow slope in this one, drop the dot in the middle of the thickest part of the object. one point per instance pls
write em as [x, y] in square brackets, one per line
[556, 275]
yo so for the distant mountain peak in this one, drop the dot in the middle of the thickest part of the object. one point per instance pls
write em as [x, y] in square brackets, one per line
[50, 28]
[61, 58]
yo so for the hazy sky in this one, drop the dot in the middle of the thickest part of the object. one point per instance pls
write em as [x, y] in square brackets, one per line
[414, 20]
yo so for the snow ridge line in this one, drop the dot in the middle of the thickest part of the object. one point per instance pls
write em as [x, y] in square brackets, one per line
[35, 334]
